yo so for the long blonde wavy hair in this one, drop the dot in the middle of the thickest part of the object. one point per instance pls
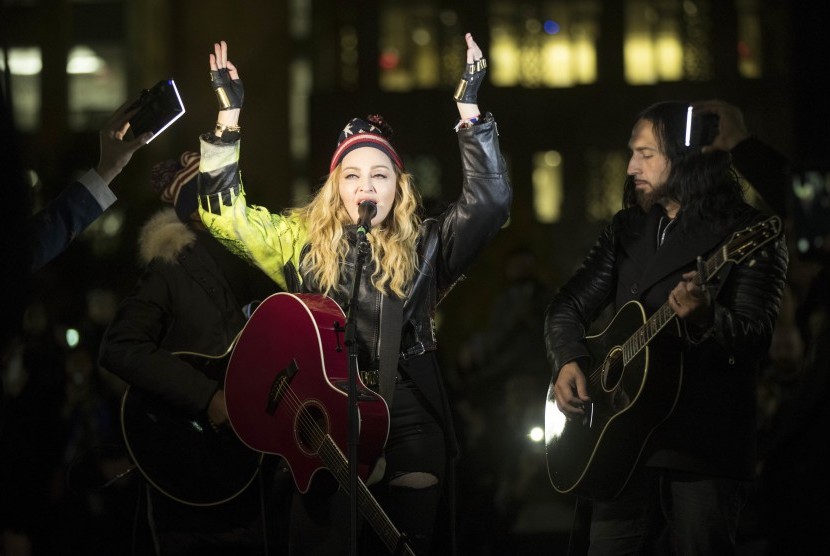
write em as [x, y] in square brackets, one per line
[393, 241]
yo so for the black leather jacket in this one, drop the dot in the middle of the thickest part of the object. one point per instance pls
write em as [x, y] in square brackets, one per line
[712, 427]
[447, 244]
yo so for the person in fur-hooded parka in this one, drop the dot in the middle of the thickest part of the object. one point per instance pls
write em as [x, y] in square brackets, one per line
[192, 297]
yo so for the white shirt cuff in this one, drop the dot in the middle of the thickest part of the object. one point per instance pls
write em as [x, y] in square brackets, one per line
[98, 189]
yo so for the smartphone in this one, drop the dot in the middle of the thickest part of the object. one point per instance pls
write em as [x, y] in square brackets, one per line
[701, 128]
[158, 108]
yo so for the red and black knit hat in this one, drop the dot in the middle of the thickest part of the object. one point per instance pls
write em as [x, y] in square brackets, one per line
[370, 132]
[175, 182]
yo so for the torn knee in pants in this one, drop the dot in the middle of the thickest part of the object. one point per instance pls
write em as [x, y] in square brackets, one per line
[414, 479]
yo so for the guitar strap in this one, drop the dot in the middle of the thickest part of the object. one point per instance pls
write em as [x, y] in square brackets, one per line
[391, 322]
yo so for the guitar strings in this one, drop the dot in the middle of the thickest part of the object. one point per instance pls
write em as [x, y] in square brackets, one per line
[660, 317]
[712, 265]
[315, 433]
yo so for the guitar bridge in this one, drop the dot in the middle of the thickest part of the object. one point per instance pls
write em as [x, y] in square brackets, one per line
[279, 384]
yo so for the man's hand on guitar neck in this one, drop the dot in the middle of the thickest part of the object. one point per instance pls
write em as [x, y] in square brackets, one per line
[217, 411]
[571, 390]
[691, 302]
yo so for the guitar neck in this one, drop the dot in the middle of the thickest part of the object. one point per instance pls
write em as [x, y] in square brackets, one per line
[338, 465]
[664, 315]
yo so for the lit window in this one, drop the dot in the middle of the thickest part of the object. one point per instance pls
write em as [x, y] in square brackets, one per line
[666, 41]
[544, 44]
[348, 58]
[420, 47]
[606, 177]
[97, 80]
[749, 38]
[105, 235]
[547, 186]
[25, 65]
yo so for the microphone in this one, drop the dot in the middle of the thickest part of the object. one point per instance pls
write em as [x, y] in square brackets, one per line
[365, 212]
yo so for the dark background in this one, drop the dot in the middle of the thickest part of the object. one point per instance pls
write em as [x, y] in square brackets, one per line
[508, 508]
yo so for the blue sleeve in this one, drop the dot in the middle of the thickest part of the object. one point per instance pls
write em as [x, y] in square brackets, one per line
[54, 227]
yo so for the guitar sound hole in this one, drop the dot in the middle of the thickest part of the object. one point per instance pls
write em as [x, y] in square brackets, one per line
[612, 369]
[310, 428]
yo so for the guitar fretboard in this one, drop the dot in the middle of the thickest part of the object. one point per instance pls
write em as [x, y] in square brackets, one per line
[739, 247]
[338, 465]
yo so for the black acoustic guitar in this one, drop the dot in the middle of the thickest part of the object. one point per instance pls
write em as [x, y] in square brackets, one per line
[183, 456]
[633, 388]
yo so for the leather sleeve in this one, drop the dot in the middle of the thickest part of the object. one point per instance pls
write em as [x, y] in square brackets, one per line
[131, 346]
[747, 307]
[218, 169]
[484, 205]
[268, 241]
[580, 301]
[54, 227]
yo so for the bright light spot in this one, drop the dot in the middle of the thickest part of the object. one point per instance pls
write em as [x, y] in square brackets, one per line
[554, 421]
[72, 337]
[421, 37]
[112, 223]
[553, 158]
[25, 61]
[83, 59]
[638, 52]
[536, 434]
[504, 53]
[551, 27]
[669, 50]
[33, 178]
[389, 60]
[547, 186]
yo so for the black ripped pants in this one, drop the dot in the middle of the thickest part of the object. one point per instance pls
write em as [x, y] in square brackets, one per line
[320, 520]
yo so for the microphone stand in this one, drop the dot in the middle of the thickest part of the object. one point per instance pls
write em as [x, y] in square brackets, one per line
[354, 424]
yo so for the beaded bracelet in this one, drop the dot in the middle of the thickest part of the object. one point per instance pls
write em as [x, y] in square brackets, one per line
[467, 123]
[227, 133]
[222, 128]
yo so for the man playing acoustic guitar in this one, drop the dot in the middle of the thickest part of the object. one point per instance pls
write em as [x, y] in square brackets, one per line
[657, 423]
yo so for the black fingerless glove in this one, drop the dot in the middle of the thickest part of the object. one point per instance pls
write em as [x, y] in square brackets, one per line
[229, 92]
[467, 89]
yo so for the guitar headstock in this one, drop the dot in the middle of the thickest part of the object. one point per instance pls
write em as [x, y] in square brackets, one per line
[745, 242]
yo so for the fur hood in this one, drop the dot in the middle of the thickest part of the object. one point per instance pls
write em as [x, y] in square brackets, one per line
[163, 236]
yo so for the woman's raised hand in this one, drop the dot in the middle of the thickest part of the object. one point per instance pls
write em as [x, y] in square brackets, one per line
[224, 78]
[466, 93]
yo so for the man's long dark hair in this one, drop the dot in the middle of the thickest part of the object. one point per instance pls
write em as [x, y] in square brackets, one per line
[705, 185]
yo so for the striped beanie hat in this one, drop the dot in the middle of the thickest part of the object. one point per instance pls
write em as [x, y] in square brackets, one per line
[175, 182]
[370, 132]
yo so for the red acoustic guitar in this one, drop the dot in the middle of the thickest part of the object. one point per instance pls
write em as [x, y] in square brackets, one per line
[286, 391]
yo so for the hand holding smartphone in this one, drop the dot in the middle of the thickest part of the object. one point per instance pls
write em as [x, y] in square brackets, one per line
[158, 108]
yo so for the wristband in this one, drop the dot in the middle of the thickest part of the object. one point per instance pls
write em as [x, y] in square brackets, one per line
[467, 89]
[229, 92]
